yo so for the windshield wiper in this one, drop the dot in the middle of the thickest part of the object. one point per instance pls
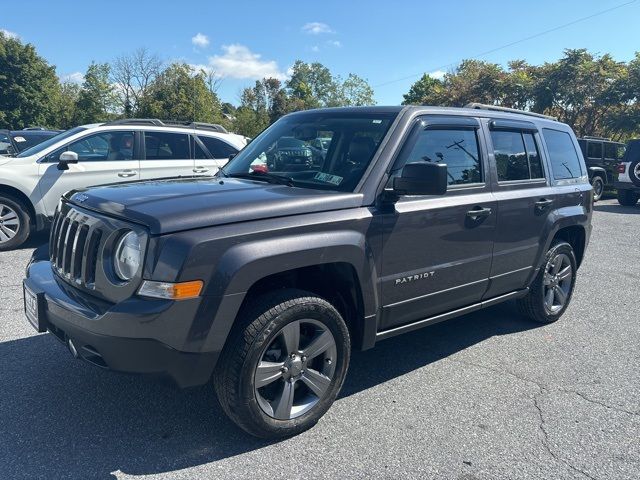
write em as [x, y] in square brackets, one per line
[265, 176]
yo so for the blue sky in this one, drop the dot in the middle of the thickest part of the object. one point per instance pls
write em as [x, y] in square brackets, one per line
[380, 41]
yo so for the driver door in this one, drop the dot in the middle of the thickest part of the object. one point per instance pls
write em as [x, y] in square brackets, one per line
[105, 157]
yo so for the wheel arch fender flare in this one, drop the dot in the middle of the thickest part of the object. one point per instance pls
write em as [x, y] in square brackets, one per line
[12, 190]
[247, 263]
[599, 172]
[561, 218]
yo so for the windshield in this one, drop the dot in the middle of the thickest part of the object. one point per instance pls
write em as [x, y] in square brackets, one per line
[30, 139]
[323, 150]
[47, 143]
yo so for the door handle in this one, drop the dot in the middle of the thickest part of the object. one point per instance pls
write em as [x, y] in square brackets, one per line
[543, 203]
[478, 212]
[200, 170]
[127, 173]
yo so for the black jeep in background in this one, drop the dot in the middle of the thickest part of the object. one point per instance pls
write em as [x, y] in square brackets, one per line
[601, 156]
[265, 279]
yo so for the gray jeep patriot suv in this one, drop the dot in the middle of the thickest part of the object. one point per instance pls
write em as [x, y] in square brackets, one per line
[264, 279]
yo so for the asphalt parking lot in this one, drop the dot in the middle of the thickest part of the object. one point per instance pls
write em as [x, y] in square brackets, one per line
[485, 396]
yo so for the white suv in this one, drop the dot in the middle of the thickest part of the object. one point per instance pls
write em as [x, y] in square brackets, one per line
[628, 181]
[123, 150]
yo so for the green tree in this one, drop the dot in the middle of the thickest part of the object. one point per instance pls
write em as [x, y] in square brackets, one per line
[312, 85]
[425, 91]
[474, 81]
[96, 99]
[355, 91]
[29, 87]
[66, 105]
[181, 93]
[579, 90]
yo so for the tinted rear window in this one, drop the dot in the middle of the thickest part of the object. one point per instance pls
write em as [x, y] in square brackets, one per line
[166, 146]
[565, 162]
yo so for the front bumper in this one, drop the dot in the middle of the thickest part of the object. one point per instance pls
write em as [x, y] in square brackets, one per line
[135, 336]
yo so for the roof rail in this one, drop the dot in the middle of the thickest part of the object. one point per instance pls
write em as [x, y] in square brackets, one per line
[169, 123]
[482, 106]
[590, 137]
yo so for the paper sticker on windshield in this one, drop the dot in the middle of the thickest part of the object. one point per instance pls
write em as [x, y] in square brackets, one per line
[19, 139]
[327, 177]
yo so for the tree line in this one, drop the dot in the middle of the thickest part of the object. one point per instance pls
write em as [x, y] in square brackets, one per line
[140, 84]
[593, 93]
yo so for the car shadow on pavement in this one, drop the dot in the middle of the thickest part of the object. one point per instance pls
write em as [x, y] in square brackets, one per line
[614, 208]
[60, 417]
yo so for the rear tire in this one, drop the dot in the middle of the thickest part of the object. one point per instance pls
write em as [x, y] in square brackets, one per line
[598, 188]
[283, 365]
[634, 172]
[550, 293]
[15, 222]
[627, 198]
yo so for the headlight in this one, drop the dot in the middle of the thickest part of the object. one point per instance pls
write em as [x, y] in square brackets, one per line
[127, 257]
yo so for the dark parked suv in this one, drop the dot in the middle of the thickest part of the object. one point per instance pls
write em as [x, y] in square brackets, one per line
[265, 280]
[601, 155]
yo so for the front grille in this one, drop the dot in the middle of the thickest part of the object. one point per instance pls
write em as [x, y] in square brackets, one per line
[73, 247]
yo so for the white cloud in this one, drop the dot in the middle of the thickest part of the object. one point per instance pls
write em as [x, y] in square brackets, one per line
[316, 28]
[315, 48]
[438, 74]
[200, 40]
[335, 43]
[9, 34]
[75, 77]
[237, 61]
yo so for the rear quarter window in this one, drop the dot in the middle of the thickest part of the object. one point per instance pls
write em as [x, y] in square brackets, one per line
[217, 148]
[565, 162]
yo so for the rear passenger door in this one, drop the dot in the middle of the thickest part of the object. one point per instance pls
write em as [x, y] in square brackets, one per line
[436, 253]
[524, 199]
[217, 153]
[166, 154]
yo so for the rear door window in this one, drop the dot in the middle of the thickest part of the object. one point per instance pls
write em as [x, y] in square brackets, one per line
[516, 155]
[610, 151]
[198, 152]
[565, 162]
[166, 146]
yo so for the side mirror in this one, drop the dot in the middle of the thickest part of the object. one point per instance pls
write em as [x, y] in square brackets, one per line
[65, 159]
[232, 155]
[422, 178]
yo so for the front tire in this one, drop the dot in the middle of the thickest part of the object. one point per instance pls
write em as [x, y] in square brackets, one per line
[627, 198]
[284, 364]
[15, 222]
[550, 293]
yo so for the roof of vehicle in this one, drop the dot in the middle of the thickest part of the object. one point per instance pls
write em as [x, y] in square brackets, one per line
[154, 124]
[478, 111]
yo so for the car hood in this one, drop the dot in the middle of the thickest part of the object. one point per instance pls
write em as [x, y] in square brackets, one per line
[171, 205]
